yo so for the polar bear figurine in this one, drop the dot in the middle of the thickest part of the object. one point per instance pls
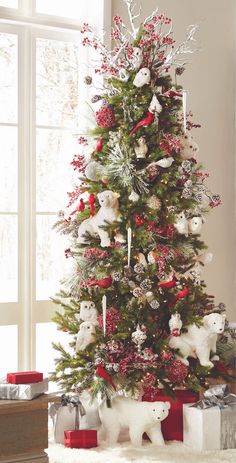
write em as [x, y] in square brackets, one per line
[108, 212]
[138, 417]
[88, 312]
[189, 147]
[199, 341]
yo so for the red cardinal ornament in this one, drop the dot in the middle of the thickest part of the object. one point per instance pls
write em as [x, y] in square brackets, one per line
[99, 145]
[172, 93]
[92, 201]
[104, 283]
[100, 371]
[79, 208]
[167, 284]
[181, 295]
[148, 120]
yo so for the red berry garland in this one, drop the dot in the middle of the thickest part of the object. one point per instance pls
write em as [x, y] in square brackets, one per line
[105, 117]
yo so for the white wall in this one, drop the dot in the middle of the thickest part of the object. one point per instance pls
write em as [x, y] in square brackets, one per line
[210, 80]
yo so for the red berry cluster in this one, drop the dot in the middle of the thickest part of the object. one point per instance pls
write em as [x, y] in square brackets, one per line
[105, 117]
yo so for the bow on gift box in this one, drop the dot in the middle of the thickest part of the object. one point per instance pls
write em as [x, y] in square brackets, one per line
[216, 396]
[71, 402]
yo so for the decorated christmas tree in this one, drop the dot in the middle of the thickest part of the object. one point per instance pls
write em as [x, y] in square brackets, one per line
[135, 305]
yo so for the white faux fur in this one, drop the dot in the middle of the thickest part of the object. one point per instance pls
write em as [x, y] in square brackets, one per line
[173, 452]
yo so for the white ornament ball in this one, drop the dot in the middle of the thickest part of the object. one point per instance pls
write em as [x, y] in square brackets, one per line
[93, 171]
[134, 197]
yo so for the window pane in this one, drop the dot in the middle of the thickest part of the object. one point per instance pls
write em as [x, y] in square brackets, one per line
[8, 78]
[8, 258]
[55, 150]
[8, 349]
[9, 3]
[8, 169]
[66, 8]
[51, 264]
[57, 83]
[46, 333]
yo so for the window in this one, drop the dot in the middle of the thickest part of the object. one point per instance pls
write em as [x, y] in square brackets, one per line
[42, 69]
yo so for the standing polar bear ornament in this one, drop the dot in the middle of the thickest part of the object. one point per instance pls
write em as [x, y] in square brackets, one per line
[108, 212]
[199, 341]
[138, 417]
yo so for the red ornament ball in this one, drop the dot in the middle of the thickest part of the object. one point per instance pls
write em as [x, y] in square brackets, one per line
[112, 318]
[166, 356]
[176, 371]
[105, 117]
[139, 220]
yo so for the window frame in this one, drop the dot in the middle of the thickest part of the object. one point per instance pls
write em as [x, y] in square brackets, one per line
[27, 311]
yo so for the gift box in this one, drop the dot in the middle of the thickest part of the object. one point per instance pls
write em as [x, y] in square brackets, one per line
[22, 391]
[24, 377]
[66, 416]
[91, 419]
[79, 439]
[210, 424]
[172, 426]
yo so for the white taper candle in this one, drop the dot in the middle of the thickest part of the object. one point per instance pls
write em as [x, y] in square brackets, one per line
[129, 239]
[104, 313]
[185, 110]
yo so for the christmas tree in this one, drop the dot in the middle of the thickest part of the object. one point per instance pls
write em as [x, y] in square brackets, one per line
[135, 222]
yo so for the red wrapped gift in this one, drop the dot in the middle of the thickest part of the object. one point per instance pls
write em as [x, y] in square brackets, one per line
[79, 439]
[172, 426]
[24, 377]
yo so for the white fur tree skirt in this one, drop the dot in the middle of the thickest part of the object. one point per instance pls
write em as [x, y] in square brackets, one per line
[172, 452]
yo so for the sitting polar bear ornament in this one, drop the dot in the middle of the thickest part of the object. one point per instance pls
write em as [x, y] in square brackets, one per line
[108, 212]
[138, 417]
[199, 341]
[88, 312]
[85, 336]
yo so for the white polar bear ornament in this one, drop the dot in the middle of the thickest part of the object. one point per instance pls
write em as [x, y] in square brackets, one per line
[138, 417]
[199, 341]
[85, 335]
[108, 212]
[190, 148]
[142, 78]
[181, 224]
[88, 312]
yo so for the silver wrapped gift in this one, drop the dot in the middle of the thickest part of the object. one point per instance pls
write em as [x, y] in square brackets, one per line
[210, 424]
[22, 391]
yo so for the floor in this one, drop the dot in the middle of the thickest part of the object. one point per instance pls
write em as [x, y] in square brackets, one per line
[172, 452]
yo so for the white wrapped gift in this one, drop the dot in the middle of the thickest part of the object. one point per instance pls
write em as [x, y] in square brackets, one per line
[91, 418]
[66, 416]
[22, 391]
[208, 426]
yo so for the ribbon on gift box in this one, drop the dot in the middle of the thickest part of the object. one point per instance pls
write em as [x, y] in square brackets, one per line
[71, 402]
[216, 396]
